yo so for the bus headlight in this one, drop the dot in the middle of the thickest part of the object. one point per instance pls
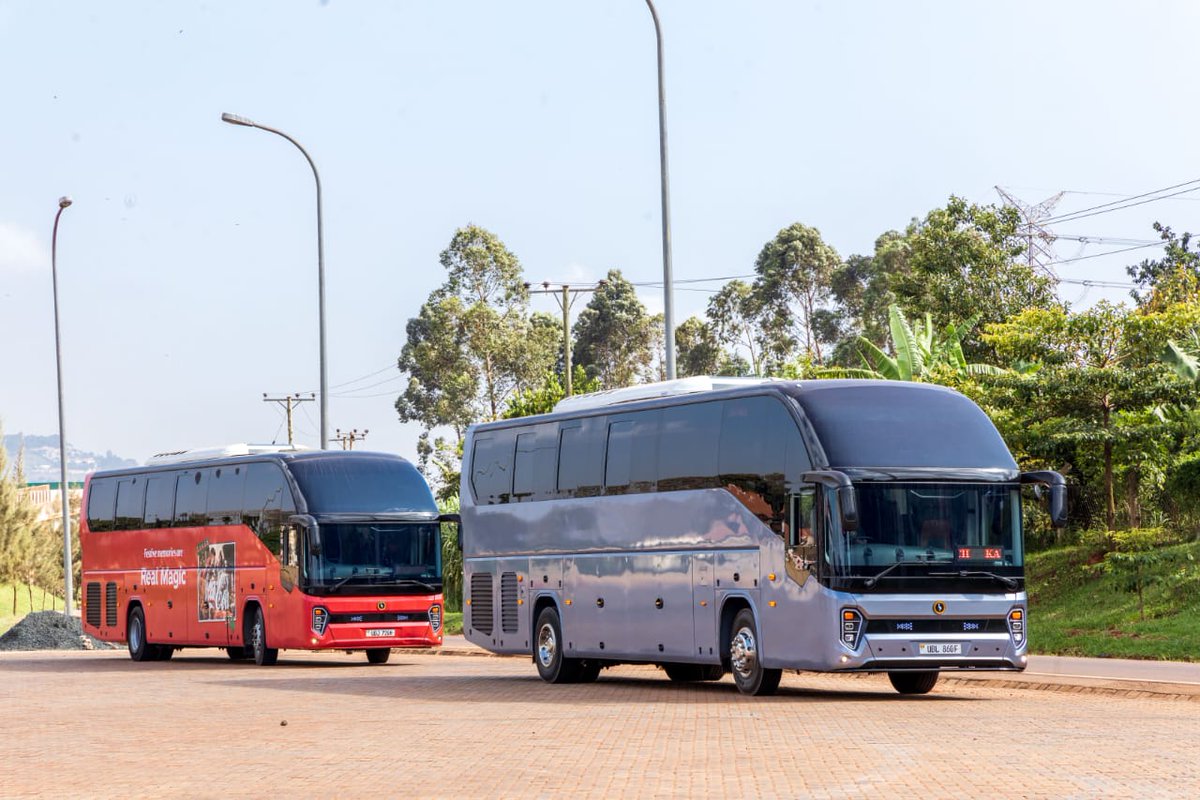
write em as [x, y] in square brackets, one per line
[852, 627]
[435, 618]
[1016, 626]
[320, 618]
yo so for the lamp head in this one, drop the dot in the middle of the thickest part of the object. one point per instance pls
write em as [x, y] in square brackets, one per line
[234, 119]
[64, 201]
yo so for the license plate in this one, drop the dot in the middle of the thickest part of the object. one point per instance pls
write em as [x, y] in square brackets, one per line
[940, 649]
[380, 632]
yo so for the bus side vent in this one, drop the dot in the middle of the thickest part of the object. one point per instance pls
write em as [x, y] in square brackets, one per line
[481, 602]
[508, 602]
[93, 604]
[110, 604]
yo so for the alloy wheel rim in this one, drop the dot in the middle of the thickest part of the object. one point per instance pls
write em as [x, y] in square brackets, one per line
[547, 646]
[743, 653]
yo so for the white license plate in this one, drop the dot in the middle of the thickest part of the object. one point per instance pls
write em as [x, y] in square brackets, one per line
[380, 632]
[940, 649]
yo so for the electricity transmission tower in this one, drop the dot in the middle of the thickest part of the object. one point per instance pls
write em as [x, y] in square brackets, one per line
[1038, 237]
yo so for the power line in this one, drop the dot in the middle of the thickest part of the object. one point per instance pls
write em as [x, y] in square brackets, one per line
[1118, 205]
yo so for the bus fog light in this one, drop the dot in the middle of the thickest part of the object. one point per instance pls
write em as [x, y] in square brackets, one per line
[320, 618]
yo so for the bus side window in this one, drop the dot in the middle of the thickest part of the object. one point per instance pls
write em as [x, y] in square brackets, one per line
[160, 501]
[191, 498]
[801, 558]
[131, 502]
[102, 498]
[268, 503]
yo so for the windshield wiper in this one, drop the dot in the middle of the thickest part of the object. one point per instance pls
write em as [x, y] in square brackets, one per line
[1010, 583]
[340, 582]
[408, 582]
[874, 579]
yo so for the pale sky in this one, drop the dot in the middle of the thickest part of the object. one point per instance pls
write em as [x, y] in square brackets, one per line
[187, 264]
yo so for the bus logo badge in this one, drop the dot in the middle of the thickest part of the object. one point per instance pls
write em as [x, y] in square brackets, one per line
[939, 607]
[381, 605]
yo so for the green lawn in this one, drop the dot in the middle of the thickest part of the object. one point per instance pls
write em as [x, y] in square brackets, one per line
[1076, 611]
[453, 623]
[10, 617]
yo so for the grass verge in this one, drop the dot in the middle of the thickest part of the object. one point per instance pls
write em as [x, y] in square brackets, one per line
[453, 623]
[10, 615]
[1076, 610]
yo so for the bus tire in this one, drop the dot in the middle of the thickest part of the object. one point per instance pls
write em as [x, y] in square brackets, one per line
[139, 648]
[263, 656]
[552, 665]
[749, 675]
[913, 682]
[378, 655]
[236, 653]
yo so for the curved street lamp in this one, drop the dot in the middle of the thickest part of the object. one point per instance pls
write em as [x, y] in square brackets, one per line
[668, 303]
[68, 577]
[234, 119]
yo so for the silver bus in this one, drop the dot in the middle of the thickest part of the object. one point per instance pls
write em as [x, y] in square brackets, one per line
[715, 525]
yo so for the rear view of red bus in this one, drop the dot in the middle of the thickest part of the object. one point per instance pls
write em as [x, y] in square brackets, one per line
[254, 551]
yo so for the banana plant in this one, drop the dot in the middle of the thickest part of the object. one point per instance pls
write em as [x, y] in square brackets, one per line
[919, 349]
[1184, 358]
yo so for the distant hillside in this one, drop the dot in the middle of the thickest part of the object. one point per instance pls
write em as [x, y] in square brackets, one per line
[41, 458]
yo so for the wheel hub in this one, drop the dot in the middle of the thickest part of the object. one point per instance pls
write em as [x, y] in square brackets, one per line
[547, 646]
[743, 652]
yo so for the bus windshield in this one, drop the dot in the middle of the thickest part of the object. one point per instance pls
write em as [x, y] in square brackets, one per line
[371, 556]
[365, 485]
[968, 527]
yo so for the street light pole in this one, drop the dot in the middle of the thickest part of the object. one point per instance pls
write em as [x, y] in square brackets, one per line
[234, 119]
[668, 302]
[63, 202]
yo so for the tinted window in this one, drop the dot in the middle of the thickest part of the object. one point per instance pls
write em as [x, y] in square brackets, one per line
[535, 464]
[337, 484]
[761, 456]
[131, 500]
[102, 496]
[267, 503]
[160, 501]
[903, 425]
[687, 447]
[225, 490]
[191, 498]
[491, 467]
[631, 461]
[581, 457]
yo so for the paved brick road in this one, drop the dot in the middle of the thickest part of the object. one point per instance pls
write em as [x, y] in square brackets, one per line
[80, 724]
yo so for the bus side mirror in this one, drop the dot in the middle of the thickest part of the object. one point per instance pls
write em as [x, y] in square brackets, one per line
[1058, 493]
[848, 505]
[309, 524]
[456, 521]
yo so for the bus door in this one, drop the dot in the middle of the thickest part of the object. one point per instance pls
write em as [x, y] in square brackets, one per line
[802, 549]
[704, 611]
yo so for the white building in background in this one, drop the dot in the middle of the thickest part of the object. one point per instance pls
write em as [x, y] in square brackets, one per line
[45, 497]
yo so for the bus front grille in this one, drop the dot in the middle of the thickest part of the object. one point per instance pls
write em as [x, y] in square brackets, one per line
[481, 602]
[93, 603]
[110, 604]
[508, 602]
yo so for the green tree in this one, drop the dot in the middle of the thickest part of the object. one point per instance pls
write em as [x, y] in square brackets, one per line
[921, 352]
[963, 261]
[1172, 278]
[697, 350]
[542, 399]
[18, 524]
[1088, 404]
[732, 315]
[794, 271]
[613, 336]
[452, 562]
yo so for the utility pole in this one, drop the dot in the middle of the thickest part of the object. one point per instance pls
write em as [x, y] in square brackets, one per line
[565, 299]
[288, 400]
[350, 437]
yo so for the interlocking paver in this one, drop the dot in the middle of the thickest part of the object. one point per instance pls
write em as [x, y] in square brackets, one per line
[96, 724]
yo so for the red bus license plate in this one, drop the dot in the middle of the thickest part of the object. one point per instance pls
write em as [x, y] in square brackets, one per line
[380, 632]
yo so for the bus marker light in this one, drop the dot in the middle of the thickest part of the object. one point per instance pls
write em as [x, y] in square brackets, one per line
[468, 601]
[520, 601]
[568, 601]
[703, 602]
[771, 603]
[314, 640]
[771, 576]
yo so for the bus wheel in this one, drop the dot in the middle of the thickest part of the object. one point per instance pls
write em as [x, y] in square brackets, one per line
[547, 653]
[748, 672]
[263, 656]
[236, 653]
[378, 655]
[139, 648]
[913, 682]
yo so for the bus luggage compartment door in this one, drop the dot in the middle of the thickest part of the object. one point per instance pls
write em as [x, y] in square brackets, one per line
[704, 611]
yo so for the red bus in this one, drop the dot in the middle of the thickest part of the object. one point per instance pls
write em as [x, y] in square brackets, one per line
[255, 551]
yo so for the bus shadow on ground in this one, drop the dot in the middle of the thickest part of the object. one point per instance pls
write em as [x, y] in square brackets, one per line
[615, 690]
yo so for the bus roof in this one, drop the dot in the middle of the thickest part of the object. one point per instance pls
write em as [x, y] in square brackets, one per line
[222, 451]
[207, 458]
